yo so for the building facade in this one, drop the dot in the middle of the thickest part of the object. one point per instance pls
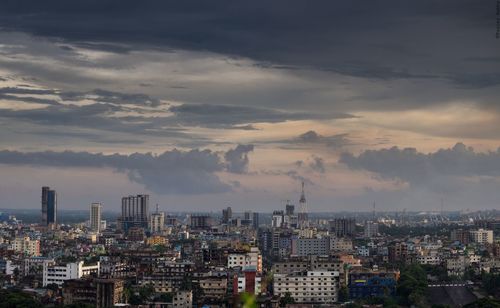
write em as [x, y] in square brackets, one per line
[49, 206]
[95, 217]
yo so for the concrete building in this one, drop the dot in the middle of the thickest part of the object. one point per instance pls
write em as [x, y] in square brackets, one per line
[79, 291]
[247, 261]
[481, 236]
[109, 292]
[183, 299]
[343, 227]
[311, 246]
[315, 287]
[460, 235]
[157, 222]
[371, 229]
[201, 222]
[135, 212]
[248, 281]
[27, 246]
[214, 288]
[59, 273]
[95, 217]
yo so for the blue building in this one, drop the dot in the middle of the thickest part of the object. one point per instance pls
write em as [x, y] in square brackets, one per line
[368, 283]
[49, 206]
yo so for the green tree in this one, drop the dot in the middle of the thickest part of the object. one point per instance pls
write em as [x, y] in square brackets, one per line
[287, 299]
[146, 292]
[343, 294]
[484, 303]
[17, 299]
[412, 286]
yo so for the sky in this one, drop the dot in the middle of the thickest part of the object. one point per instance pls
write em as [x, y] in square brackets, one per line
[209, 104]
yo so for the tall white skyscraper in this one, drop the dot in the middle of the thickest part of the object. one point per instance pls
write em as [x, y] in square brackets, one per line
[95, 217]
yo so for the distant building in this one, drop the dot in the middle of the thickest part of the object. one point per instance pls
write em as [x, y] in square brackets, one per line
[481, 236]
[371, 229]
[460, 235]
[278, 219]
[27, 246]
[157, 221]
[135, 212]
[303, 215]
[201, 222]
[311, 246]
[289, 209]
[343, 226]
[227, 215]
[49, 206]
[255, 220]
[95, 217]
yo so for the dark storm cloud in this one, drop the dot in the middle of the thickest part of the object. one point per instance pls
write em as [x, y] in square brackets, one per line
[364, 39]
[101, 107]
[416, 168]
[172, 172]
[237, 158]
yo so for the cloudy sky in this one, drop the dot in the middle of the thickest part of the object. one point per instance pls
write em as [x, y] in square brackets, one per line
[208, 104]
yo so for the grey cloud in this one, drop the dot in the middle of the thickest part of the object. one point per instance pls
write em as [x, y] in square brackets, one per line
[329, 35]
[237, 158]
[419, 168]
[172, 172]
[317, 164]
[113, 97]
[293, 174]
[311, 137]
[212, 115]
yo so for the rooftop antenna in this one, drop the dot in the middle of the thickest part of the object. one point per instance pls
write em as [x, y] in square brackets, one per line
[157, 208]
[373, 211]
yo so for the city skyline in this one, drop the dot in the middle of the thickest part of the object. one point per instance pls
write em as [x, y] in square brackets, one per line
[236, 103]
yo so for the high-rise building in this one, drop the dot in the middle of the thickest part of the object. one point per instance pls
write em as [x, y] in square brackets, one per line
[227, 215]
[303, 215]
[247, 215]
[135, 212]
[95, 217]
[255, 220]
[343, 226]
[371, 229]
[49, 206]
[290, 208]
[201, 222]
[157, 223]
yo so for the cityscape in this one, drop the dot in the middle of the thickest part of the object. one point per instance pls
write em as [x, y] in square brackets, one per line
[249, 154]
[288, 257]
